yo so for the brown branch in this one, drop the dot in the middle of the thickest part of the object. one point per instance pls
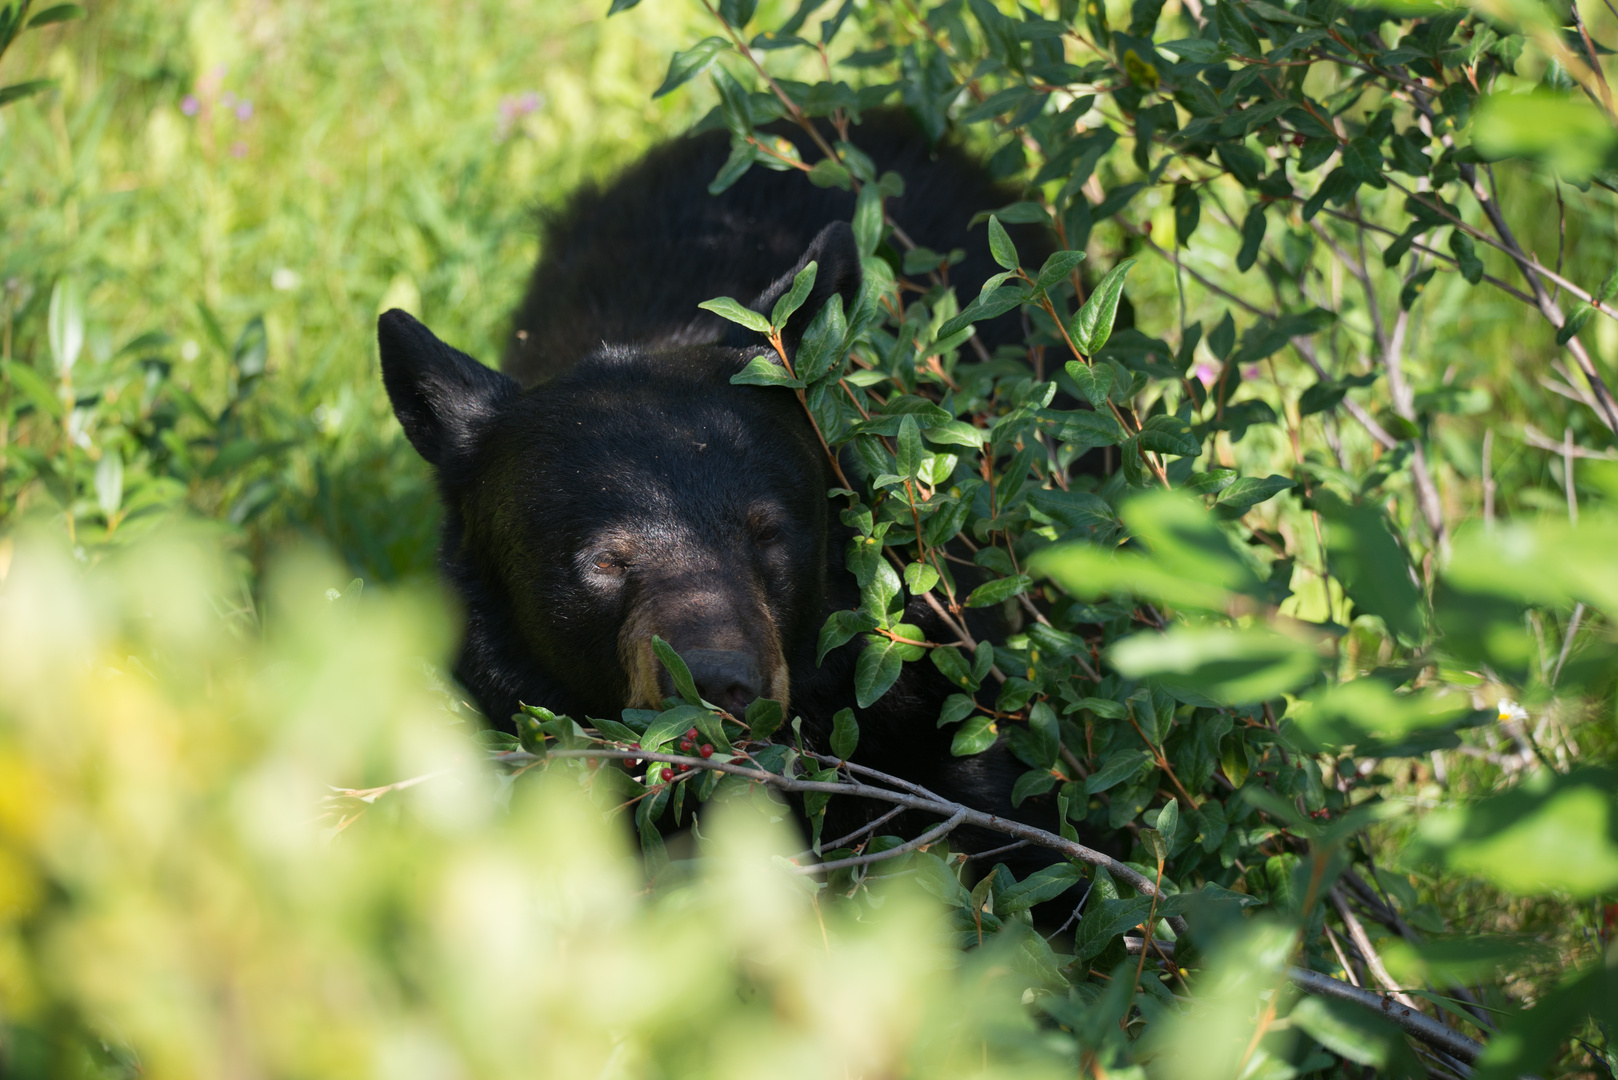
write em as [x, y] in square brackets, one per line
[937, 832]
[932, 805]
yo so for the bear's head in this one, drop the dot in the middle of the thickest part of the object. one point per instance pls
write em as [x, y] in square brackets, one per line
[638, 494]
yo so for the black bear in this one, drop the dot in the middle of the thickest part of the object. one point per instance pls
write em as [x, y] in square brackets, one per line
[612, 484]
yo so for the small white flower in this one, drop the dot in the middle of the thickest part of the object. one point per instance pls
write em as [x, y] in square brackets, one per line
[1509, 710]
[284, 279]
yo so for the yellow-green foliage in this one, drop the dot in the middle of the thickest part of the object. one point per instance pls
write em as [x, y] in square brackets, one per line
[206, 164]
[168, 878]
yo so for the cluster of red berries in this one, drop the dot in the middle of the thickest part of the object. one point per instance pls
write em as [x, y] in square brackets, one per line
[690, 740]
[674, 771]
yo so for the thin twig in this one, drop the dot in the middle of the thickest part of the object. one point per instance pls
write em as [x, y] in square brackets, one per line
[942, 807]
[843, 841]
[1417, 1024]
[1567, 640]
[1368, 953]
[937, 832]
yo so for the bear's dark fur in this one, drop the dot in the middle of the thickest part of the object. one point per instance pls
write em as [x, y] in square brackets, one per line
[612, 484]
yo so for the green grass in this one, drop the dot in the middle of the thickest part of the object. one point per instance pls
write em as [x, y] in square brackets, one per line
[393, 155]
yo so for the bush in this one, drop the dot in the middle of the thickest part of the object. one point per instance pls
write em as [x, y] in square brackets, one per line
[1343, 683]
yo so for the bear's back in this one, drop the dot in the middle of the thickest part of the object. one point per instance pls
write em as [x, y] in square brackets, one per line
[628, 262]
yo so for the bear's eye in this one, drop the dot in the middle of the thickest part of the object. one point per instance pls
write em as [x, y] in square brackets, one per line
[766, 533]
[607, 562]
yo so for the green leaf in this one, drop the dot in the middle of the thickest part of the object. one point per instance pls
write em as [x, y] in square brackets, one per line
[1155, 844]
[1094, 381]
[1165, 434]
[953, 666]
[736, 312]
[998, 591]
[1223, 664]
[868, 220]
[1373, 567]
[1211, 482]
[18, 91]
[956, 707]
[1235, 31]
[1569, 134]
[794, 297]
[109, 482]
[909, 453]
[1413, 288]
[1574, 323]
[920, 578]
[1038, 887]
[1122, 765]
[841, 628]
[845, 733]
[974, 737]
[1321, 396]
[1029, 784]
[1252, 237]
[59, 13]
[65, 324]
[1244, 165]
[684, 685]
[1056, 269]
[1000, 245]
[986, 306]
[1222, 339]
[1346, 1030]
[1363, 160]
[821, 349]
[1552, 834]
[503, 742]
[1187, 212]
[762, 371]
[876, 670]
[1466, 258]
[1168, 819]
[1092, 326]
[33, 387]
[690, 63]
[670, 725]
[620, 5]
[1251, 490]
[763, 717]
[1365, 711]
[742, 157]
[1106, 920]
[1197, 50]
[737, 13]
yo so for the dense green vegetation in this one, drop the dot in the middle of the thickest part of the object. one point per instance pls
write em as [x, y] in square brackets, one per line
[1332, 645]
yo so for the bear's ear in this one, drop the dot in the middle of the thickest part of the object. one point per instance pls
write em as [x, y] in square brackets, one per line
[837, 273]
[441, 396]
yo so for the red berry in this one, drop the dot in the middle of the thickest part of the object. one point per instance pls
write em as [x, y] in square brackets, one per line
[692, 734]
[685, 746]
[707, 750]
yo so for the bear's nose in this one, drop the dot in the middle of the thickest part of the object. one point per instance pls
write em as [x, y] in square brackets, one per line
[726, 677]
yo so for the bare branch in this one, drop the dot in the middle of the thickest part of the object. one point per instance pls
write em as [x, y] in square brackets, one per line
[932, 805]
[843, 841]
[937, 832]
[1362, 942]
[1416, 1024]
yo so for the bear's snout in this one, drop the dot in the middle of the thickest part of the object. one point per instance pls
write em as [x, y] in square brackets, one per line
[727, 677]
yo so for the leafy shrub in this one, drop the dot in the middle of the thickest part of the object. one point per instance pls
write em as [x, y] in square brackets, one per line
[1346, 731]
